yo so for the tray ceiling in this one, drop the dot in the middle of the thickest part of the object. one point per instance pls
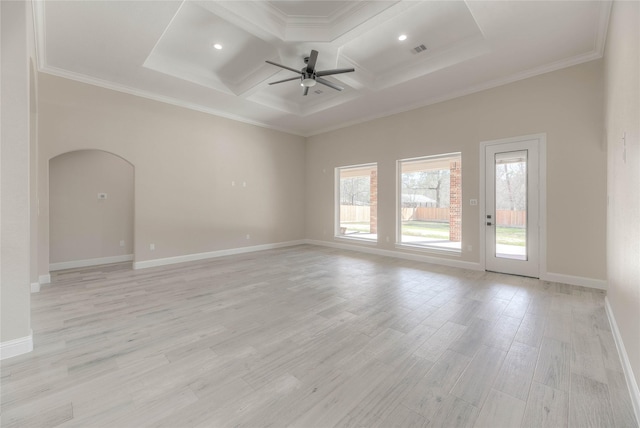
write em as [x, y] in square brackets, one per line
[164, 51]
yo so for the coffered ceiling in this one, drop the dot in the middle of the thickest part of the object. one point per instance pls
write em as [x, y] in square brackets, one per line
[164, 50]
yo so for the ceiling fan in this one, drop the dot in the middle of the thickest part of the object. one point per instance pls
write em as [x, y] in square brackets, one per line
[309, 76]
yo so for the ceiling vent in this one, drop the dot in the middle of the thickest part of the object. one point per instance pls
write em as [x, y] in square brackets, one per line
[418, 49]
[317, 91]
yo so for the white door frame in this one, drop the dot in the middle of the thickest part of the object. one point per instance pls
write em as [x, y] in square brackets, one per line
[542, 196]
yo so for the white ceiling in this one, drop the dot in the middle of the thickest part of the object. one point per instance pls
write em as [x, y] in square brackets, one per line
[164, 50]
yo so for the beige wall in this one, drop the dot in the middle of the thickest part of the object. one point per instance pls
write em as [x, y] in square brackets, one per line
[15, 211]
[81, 225]
[622, 106]
[565, 104]
[33, 168]
[185, 163]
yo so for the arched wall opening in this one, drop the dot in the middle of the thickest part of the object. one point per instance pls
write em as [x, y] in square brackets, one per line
[91, 209]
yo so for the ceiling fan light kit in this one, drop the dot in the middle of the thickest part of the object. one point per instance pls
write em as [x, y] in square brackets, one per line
[309, 76]
[308, 82]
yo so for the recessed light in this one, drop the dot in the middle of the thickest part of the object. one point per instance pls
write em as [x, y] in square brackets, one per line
[217, 46]
[402, 37]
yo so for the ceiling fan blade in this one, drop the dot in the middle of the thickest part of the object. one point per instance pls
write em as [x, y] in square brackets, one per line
[284, 66]
[329, 84]
[285, 80]
[334, 71]
[306, 91]
[311, 64]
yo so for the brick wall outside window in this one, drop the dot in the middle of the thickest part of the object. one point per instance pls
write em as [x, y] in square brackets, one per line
[455, 201]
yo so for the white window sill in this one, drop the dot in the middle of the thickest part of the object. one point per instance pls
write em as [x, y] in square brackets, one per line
[429, 249]
[354, 238]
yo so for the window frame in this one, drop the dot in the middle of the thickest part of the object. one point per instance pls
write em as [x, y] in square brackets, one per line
[337, 199]
[436, 249]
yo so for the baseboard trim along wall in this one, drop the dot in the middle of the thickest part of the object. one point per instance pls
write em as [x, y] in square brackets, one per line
[624, 359]
[15, 347]
[35, 287]
[600, 284]
[44, 279]
[212, 254]
[90, 262]
[398, 254]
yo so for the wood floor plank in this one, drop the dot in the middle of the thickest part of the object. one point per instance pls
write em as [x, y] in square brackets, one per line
[590, 403]
[546, 408]
[474, 384]
[531, 330]
[380, 402]
[401, 417]
[433, 348]
[425, 397]
[454, 412]
[312, 336]
[514, 378]
[473, 337]
[500, 410]
[620, 401]
[553, 367]
[586, 357]
[559, 326]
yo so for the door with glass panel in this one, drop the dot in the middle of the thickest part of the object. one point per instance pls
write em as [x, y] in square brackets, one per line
[511, 208]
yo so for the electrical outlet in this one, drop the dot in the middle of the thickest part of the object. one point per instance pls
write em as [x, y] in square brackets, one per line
[248, 236]
[244, 184]
[122, 243]
[152, 247]
[469, 248]
[387, 239]
[473, 202]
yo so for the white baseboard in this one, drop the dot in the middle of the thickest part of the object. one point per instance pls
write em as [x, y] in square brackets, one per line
[398, 254]
[90, 262]
[600, 284]
[15, 347]
[212, 254]
[624, 359]
[44, 279]
[35, 287]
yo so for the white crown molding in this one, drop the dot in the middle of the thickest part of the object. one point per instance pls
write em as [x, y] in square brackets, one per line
[39, 27]
[212, 254]
[15, 347]
[90, 262]
[554, 66]
[603, 26]
[632, 385]
[160, 98]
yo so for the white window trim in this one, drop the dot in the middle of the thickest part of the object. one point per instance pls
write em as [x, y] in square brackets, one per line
[336, 206]
[432, 249]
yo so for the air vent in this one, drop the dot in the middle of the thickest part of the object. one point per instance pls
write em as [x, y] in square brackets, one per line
[420, 48]
[317, 91]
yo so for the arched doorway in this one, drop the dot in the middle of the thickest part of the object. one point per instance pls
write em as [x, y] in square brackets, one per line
[91, 209]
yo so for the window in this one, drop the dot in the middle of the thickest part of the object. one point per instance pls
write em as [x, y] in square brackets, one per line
[357, 202]
[430, 202]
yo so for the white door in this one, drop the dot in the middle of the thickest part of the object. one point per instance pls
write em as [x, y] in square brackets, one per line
[512, 199]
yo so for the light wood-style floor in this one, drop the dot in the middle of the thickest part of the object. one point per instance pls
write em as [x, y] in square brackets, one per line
[309, 336]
